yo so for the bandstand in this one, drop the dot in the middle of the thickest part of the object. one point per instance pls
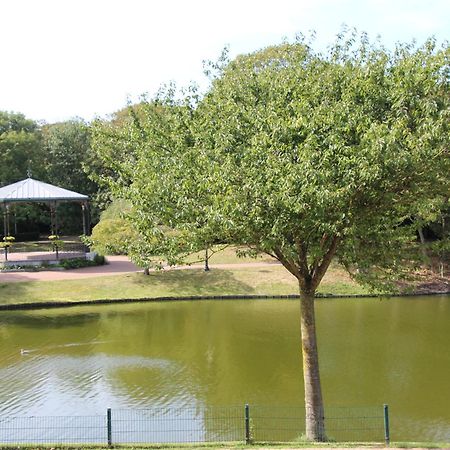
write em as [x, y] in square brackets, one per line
[44, 252]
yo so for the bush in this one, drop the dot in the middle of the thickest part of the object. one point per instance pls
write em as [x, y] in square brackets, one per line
[99, 260]
[78, 263]
[112, 236]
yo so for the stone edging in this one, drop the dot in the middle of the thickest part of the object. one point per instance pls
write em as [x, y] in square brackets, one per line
[38, 269]
[65, 304]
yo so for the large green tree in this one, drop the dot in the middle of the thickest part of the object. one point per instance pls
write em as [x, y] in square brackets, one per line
[20, 147]
[67, 149]
[308, 157]
[66, 156]
[21, 154]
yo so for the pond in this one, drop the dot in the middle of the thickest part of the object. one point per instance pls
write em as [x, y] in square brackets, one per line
[82, 360]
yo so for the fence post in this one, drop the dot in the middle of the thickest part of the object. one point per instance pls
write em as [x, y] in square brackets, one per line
[387, 436]
[109, 427]
[247, 424]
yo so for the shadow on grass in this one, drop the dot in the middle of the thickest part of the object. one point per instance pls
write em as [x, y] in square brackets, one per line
[10, 290]
[194, 282]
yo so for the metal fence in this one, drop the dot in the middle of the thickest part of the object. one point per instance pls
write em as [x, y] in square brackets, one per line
[195, 425]
[41, 251]
[285, 424]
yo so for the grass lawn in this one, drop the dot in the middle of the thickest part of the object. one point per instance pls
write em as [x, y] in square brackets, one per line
[265, 280]
[226, 255]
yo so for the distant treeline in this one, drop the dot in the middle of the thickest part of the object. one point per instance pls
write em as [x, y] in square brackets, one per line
[58, 154]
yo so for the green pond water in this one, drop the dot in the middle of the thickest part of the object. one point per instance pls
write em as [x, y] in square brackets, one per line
[206, 354]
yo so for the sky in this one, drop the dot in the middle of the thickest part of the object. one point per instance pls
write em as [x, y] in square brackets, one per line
[62, 59]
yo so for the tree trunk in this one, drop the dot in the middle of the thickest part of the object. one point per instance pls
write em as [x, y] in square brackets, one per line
[206, 260]
[315, 422]
[423, 245]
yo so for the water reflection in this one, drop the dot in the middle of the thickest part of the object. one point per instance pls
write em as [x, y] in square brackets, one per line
[207, 354]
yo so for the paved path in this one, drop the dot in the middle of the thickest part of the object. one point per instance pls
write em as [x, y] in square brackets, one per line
[116, 265]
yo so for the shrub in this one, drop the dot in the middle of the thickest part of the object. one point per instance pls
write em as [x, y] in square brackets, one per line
[114, 233]
[78, 263]
[112, 236]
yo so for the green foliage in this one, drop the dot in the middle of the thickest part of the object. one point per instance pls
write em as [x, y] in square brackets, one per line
[304, 156]
[114, 234]
[297, 154]
[78, 263]
[20, 147]
[99, 260]
[67, 153]
[56, 154]
[117, 209]
[67, 148]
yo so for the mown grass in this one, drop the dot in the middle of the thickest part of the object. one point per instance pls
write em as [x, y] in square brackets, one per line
[262, 280]
[227, 255]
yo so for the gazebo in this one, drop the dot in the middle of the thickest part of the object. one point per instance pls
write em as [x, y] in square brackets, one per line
[34, 191]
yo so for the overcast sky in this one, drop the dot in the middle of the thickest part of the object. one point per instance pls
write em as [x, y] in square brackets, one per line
[85, 58]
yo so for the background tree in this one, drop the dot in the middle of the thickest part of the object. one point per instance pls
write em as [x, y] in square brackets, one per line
[21, 153]
[67, 152]
[20, 147]
[301, 155]
[113, 157]
[124, 147]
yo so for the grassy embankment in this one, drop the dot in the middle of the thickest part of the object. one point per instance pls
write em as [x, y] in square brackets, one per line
[264, 279]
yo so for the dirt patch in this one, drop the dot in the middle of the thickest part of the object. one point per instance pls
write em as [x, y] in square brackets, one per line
[427, 282]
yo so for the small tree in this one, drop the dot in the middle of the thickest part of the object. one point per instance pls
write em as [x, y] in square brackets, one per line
[304, 156]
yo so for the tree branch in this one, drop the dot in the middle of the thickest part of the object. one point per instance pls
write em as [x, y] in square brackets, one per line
[289, 265]
[302, 259]
[326, 260]
[316, 261]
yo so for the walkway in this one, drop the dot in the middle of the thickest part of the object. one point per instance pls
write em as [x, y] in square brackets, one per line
[116, 265]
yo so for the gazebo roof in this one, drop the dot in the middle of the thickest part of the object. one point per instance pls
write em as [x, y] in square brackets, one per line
[30, 190]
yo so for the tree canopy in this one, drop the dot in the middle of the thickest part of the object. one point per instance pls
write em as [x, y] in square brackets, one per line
[66, 156]
[20, 147]
[54, 153]
[301, 155]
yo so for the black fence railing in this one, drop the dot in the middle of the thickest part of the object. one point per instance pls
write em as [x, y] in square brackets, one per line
[26, 251]
[53, 430]
[195, 425]
[27, 247]
[284, 424]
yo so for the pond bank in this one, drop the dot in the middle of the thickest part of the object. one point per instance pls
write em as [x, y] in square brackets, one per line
[121, 281]
[65, 304]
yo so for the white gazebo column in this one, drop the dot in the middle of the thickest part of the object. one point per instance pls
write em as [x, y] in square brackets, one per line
[15, 220]
[86, 218]
[5, 220]
[53, 218]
